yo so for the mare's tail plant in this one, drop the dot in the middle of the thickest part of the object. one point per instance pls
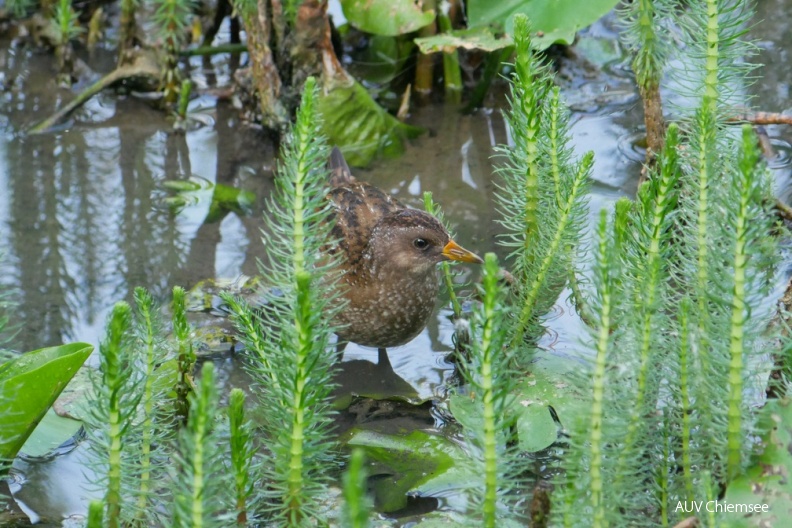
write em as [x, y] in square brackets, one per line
[291, 360]
[153, 420]
[242, 451]
[671, 402]
[486, 372]
[650, 44]
[171, 18]
[541, 196]
[184, 353]
[114, 405]
[201, 493]
[66, 25]
[357, 506]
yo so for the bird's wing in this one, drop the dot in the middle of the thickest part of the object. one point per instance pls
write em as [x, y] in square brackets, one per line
[358, 207]
[339, 170]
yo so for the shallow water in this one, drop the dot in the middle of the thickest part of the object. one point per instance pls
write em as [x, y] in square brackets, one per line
[83, 216]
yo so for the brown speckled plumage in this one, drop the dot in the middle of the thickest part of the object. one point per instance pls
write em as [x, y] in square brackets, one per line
[388, 260]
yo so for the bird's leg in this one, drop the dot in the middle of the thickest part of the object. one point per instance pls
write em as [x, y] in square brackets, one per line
[340, 346]
[382, 358]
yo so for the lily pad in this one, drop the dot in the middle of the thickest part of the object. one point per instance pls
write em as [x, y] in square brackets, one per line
[768, 481]
[552, 21]
[481, 38]
[29, 384]
[360, 127]
[52, 432]
[417, 462]
[529, 409]
[386, 17]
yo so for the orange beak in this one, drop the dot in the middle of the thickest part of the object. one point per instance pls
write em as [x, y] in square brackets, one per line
[453, 251]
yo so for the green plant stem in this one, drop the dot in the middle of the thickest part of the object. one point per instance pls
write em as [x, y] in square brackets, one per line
[356, 505]
[113, 381]
[214, 50]
[598, 381]
[95, 514]
[555, 169]
[738, 307]
[487, 385]
[184, 98]
[432, 208]
[305, 339]
[707, 125]
[527, 313]
[145, 305]
[452, 75]
[248, 327]
[684, 386]
[185, 354]
[649, 292]
[240, 453]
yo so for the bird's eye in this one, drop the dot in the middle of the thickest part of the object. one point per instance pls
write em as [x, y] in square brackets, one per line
[420, 243]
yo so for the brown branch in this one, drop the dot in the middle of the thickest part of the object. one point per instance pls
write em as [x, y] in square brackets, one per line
[761, 118]
[142, 66]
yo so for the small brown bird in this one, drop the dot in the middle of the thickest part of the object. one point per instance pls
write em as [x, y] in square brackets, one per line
[388, 259]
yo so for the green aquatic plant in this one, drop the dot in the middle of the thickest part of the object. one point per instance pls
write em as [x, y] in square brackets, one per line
[242, 451]
[171, 18]
[357, 506]
[66, 25]
[113, 409]
[487, 375]
[152, 426]
[184, 352]
[29, 384]
[538, 179]
[292, 328]
[695, 256]
[95, 514]
[650, 44]
[201, 492]
[448, 275]
[128, 29]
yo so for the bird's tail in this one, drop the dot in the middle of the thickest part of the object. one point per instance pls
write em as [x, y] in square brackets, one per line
[339, 170]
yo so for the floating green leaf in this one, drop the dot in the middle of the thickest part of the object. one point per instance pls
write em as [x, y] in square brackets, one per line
[552, 21]
[546, 386]
[51, 432]
[360, 127]
[29, 384]
[417, 462]
[481, 38]
[386, 17]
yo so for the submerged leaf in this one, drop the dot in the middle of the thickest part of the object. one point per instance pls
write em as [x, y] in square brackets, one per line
[361, 128]
[417, 462]
[386, 17]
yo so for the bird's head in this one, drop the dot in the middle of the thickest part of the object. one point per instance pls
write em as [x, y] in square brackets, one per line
[413, 242]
